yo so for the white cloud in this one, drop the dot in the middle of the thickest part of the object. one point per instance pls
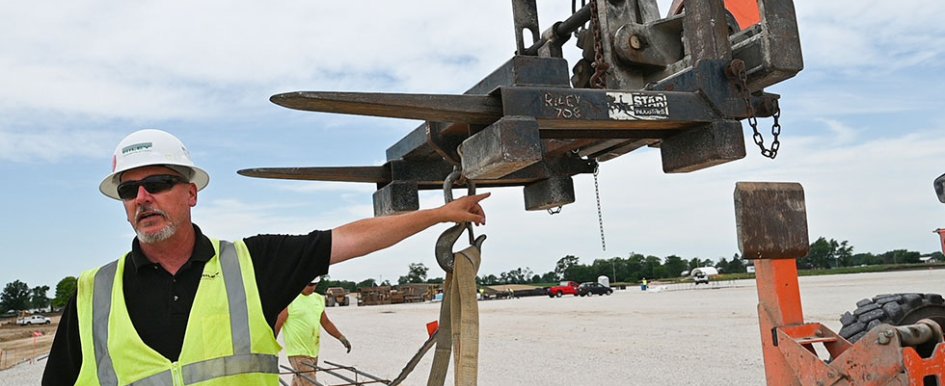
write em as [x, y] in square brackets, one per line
[104, 64]
[880, 39]
[51, 145]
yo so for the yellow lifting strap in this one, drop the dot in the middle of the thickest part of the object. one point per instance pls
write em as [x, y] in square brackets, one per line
[459, 322]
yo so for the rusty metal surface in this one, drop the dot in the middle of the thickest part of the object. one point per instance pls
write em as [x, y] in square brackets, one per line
[426, 174]
[918, 368]
[375, 174]
[779, 304]
[335, 374]
[396, 197]
[705, 29]
[479, 109]
[806, 367]
[669, 86]
[870, 363]
[549, 193]
[771, 220]
[525, 16]
[695, 149]
[510, 144]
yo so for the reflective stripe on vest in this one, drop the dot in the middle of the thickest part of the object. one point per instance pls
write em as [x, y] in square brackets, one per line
[101, 309]
[215, 368]
[241, 362]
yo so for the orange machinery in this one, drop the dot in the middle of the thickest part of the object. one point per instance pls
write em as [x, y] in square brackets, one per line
[941, 235]
[772, 229]
[745, 12]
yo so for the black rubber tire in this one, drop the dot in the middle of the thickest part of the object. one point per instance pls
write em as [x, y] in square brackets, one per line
[558, 294]
[894, 309]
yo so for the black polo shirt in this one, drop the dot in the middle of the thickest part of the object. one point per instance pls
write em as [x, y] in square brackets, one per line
[159, 303]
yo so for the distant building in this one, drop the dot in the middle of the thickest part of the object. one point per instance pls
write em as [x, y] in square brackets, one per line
[707, 271]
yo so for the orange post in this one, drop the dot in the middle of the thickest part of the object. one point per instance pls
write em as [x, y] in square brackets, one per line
[941, 235]
[779, 304]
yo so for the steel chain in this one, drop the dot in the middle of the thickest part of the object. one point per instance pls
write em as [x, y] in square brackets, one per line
[599, 79]
[742, 84]
[600, 213]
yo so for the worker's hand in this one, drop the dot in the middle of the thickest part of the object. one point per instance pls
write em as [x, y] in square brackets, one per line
[347, 344]
[465, 209]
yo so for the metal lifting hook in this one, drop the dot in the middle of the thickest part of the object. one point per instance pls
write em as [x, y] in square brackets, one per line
[444, 244]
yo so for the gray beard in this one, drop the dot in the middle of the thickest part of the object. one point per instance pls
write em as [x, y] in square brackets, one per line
[161, 235]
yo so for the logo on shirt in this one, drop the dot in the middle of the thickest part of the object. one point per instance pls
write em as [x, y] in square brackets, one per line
[209, 276]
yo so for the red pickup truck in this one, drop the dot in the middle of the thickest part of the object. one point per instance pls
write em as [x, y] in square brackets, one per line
[563, 288]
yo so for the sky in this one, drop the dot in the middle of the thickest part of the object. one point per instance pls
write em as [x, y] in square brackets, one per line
[862, 129]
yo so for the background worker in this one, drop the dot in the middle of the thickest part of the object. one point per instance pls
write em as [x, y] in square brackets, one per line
[303, 320]
[181, 307]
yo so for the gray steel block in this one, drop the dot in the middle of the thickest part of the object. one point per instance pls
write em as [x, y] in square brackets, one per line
[507, 146]
[771, 220]
[714, 144]
[549, 193]
[396, 197]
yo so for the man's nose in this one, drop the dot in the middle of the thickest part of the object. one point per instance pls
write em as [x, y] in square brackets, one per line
[143, 195]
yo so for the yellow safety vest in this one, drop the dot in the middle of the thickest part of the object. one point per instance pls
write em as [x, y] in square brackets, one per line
[227, 340]
[304, 325]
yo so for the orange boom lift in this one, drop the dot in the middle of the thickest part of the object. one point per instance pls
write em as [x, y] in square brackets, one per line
[772, 229]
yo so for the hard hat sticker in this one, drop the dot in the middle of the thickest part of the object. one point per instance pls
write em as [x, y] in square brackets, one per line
[625, 106]
[138, 147]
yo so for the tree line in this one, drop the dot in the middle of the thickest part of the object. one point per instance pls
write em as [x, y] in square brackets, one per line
[18, 296]
[823, 254]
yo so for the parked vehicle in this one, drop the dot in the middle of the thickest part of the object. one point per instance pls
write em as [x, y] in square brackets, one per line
[700, 278]
[33, 319]
[594, 288]
[336, 296]
[563, 288]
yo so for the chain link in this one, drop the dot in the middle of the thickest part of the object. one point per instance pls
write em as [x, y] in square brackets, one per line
[742, 85]
[599, 79]
[600, 213]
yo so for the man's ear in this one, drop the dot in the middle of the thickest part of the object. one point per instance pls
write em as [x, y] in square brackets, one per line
[192, 197]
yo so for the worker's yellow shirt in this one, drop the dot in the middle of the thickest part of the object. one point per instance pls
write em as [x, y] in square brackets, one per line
[303, 326]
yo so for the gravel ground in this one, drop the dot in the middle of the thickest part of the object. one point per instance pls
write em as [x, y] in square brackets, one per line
[23, 374]
[705, 335]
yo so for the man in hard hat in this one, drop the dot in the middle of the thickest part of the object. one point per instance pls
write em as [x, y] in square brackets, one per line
[302, 321]
[181, 307]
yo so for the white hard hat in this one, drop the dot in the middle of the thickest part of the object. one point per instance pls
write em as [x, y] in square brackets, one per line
[151, 147]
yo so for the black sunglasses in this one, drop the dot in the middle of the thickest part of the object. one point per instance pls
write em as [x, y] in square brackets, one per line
[128, 190]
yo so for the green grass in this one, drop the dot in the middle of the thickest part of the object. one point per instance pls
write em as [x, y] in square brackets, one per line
[802, 272]
[842, 270]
